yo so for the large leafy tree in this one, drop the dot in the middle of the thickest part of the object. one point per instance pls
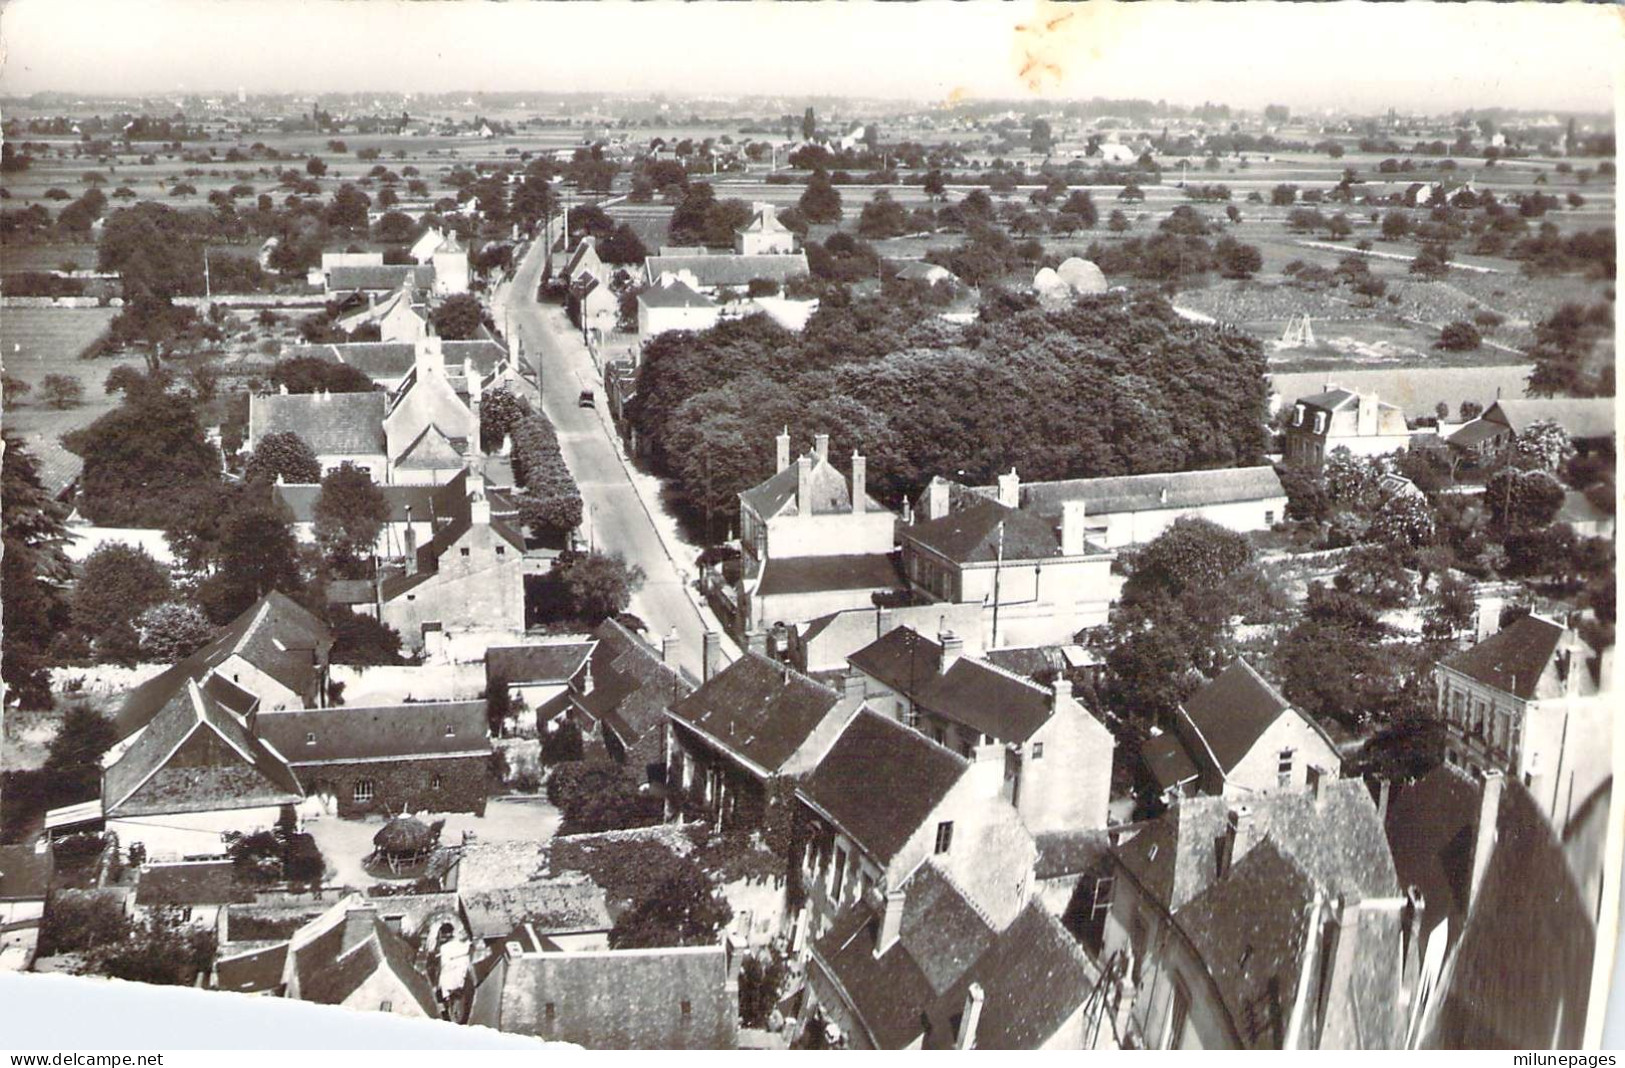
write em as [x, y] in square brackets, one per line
[684, 910]
[257, 553]
[458, 317]
[599, 585]
[820, 202]
[172, 631]
[1522, 500]
[283, 455]
[311, 374]
[117, 583]
[142, 460]
[34, 569]
[1542, 446]
[350, 513]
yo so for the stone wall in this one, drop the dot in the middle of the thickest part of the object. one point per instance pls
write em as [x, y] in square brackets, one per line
[404, 785]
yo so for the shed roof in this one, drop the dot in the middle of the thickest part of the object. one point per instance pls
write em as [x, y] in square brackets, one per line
[549, 662]
[783, 576]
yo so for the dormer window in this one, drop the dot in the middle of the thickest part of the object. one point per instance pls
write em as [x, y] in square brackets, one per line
[310, 737]
[451, 732]
[1320, 422]
[1297, 415]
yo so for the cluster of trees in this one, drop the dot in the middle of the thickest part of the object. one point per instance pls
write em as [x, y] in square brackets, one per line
[1566, 354]
[661, 898]
[72, 771]
[1108, 386]
[549, 500]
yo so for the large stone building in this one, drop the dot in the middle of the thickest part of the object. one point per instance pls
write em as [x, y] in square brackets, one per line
[1343, 419]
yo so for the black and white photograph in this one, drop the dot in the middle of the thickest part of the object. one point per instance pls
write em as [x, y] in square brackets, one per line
[776, 526]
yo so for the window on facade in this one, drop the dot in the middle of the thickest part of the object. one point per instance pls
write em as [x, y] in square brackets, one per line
[1178, 1017]
[463, 551]
[451, 732]
[945, 836]
[1283, 767]
[434, 782]
[1320, 422]
[1038, 750]
[551, 1010]
[364, 791]
[502, 550]
[384, 1006]
[688, 1008]
[1297, 415]
[1269, 517]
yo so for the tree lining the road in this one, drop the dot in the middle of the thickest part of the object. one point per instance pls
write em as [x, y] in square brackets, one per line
[549, 500]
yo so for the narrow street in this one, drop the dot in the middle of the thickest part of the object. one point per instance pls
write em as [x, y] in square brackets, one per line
[616, 518]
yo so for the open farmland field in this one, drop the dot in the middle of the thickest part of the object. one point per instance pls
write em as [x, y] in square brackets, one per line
[43, 341]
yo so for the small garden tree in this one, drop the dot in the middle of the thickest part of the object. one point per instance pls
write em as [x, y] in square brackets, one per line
[62, 391]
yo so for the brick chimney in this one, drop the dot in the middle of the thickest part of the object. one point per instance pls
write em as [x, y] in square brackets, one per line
[821, 446]
[971, 1018]
[782, 443]
[891, 921]
[1238, 838]
[1010, 489]
[1072, 520]
[1489, 811]
[804, 466]
[953, 647]
[860, 483]
[711, 654]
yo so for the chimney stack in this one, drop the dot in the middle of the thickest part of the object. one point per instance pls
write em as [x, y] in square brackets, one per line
[1061, 694]
[936, 498]
[953, 646]
[668, 648]
[1238, 839]
[891, 921]
[1072, 513]
[756, 641]
[782, 442]
[804, 486]
[1489, 618]
[1317, 777]
[1489, 811]
[971, 1018]
[821, 446]
[860, 483]
[1384, 788]
[1010, 489]
[711, 656]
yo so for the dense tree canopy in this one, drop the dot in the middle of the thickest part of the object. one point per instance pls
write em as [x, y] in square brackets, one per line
[32, 569]
[142, 460]
[118, 582]
[350, 513]
[283, 455]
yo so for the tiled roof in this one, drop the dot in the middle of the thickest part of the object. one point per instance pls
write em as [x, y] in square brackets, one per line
[1136, 493]
[759, 709]
[730, 270]
[812, 574]
[220, 765]
[1582, 417]
[974, 535]
[830, 492]
[1167, 761]
[1338, 841]
[1062, 853]
[941, 935]
[1331, 400]
[675, 294]
[880, 781]
[551, 662]
[332, 424]
[1033, 977]
[553, 906]
[1512, 659]
[209, 882]
[971, 692]
[24, 874]
[254, 971]
[1476, 432]
[387, 360]
[631, 684]
[345, 949]
[1232, 711]
[613, 999]
[1525, 947]
[346, 733]
[301, 500]
[57, 467]
[383, 277]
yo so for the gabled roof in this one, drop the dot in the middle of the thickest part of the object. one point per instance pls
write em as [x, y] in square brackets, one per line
[880, 781]
[430, 450]
[1337, 840]
[195, 756]
[343, 734]
[1135, 493]
[275, 634]
[1582, 417]
[24, 874]
[338, 954]
[941, 935]
[583, 247]
[674, 293]
[971, 692]
[813, 574]
[389, 360]
[631, 685]
[252, 971]
[1476, 432]
[1513, 659]
[829, 490]
[1167, 761]
[1232, 711]
[1331, 400]
[675, 998]
[987, 531]
[764, 221]
[550, 662]
[730, 270]
[332, 424]
[379, 278]
[1524, 951]
[422, 501]
[758, 709]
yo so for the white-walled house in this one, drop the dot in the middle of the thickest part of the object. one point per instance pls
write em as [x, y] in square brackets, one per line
[671, 304]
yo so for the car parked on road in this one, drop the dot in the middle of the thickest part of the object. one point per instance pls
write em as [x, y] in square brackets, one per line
[586, 400]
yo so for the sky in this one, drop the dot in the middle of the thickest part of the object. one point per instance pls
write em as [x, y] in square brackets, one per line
[1350, 56]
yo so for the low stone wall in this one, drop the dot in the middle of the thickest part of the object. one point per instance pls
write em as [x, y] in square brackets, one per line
[100, 680]
[60, 302]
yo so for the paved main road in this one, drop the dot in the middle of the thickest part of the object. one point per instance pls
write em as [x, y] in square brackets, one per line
[615, 517]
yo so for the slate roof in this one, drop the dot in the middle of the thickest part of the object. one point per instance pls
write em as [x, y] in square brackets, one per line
[1033, 977]
[380, 277]
[971, 692]
[972, 535]
[1476, 432]
[613, 999]
[1524, 950]
[1512, 659]
[632, 686]
[1339, 843]
[424, 502]
[275, 634]
[332, 424]
[941, 935]
[1167, 761]
[1582, 417]
[552, 906]
[1138, 493]
[1232, 711]
[24, 874]
[675, 294]
[729, 270]
[337, 954]
[209, 882]
[388, 360]
[195, 756]
[784, 576]
[1062, 853]
[830, 491]
[376, 733]
[759, 709]
[880, 781]
[253, 971]
[552, 662]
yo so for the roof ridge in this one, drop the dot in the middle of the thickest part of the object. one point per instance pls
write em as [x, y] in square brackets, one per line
[1013, 676]
[909, 731]
[975, 906]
